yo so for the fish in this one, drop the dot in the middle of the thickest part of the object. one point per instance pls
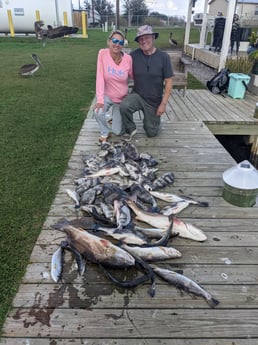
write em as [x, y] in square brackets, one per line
[149, 159]
[81, 264]
[152, 253]
[83, 184]
[157, 220]
[163, 180]
[108, 211]
[57, 261]
[74, 196]
[140, 192]
[131, 152]
[96, 249]
[174, 208]
[128, 236]
[175, 198]
[89, 209]
[122, 213]
[186, 284]
[105, 172]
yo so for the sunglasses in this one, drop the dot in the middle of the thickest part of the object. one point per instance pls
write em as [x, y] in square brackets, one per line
[116, 41]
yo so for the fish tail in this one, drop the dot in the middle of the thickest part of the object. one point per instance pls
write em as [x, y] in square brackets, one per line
[203, 203]
[213, 302]
[60, 225]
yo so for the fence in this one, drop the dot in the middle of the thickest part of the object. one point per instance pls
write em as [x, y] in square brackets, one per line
[131, 20]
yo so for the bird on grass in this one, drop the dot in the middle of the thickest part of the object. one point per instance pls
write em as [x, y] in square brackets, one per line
[126, 40]
[171, 40]
[30, 69]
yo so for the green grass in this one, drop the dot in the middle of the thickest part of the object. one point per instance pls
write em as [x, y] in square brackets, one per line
[40, 119]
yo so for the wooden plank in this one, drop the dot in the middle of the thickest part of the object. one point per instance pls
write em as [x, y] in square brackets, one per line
[40, 296]
[132, 323]
[123, 341]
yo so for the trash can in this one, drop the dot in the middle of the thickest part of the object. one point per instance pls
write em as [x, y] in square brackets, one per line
[238, 84]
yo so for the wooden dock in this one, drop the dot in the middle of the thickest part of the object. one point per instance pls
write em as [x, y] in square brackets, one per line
[91, 310]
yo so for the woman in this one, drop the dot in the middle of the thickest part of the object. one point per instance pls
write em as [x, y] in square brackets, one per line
[114, 68]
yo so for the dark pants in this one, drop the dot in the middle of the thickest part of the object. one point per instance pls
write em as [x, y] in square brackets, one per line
[132, 103]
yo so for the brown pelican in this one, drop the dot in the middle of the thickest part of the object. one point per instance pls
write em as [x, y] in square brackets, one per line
[60, 31]
[30, 69]
[171, 40]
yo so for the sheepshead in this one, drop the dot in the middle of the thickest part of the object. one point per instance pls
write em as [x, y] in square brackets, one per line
[140, 192]
[153, 253]
[185, 230]
[163, 180]
[122, 213]
[108, 211]
[112, 192]
[149, 159]
[57, 264]
[186, 284]
[96, 249]
[74, 196]
[132, 170]
[89, 209]
[89, 196]
[176, 198]
[84, 184]
[131, 152]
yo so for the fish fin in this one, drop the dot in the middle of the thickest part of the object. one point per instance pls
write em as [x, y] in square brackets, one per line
[60, 225]
[213, 302]
[154, 209]
[179, 271]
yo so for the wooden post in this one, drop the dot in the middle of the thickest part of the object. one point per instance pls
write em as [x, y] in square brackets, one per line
[10, 20]
[254, 153]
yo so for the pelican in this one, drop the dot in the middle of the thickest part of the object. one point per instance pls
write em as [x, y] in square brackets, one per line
[126, 40]
[171, 40]
[30, 69]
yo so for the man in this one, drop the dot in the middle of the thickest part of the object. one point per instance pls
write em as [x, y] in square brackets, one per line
[152, 85]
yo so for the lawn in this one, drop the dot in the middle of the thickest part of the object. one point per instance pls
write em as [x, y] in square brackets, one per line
[40, 119]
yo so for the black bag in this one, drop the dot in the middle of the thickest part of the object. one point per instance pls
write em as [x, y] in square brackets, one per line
[219, 83]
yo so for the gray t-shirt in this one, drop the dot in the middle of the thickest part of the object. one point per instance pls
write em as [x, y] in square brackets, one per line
[149, 74]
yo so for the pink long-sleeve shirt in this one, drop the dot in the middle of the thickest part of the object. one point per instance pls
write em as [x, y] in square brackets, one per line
[112, 79]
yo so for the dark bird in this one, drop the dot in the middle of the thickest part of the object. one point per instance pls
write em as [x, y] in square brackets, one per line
[60, 31]
[171, 40]
[50, 32]
[30, 69]
[126, 40]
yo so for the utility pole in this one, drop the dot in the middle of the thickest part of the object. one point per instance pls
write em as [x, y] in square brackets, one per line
[117, 14]
[93, 14]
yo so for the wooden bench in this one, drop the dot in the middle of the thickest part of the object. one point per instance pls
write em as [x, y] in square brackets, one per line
[179, 64]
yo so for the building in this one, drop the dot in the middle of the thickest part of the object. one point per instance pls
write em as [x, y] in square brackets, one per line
[23, 14]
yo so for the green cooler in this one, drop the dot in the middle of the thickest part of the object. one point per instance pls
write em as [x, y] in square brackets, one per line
[237, 84]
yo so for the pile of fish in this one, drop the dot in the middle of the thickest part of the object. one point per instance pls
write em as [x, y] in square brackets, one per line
[119, 187]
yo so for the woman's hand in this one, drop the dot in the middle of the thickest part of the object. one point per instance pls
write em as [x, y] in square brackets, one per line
[98, 106]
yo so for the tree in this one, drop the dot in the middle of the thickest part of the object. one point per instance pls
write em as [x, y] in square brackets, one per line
[134, 9]
[103, 7]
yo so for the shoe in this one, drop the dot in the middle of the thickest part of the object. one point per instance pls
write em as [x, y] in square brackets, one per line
[104, 139]
[129, 137]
